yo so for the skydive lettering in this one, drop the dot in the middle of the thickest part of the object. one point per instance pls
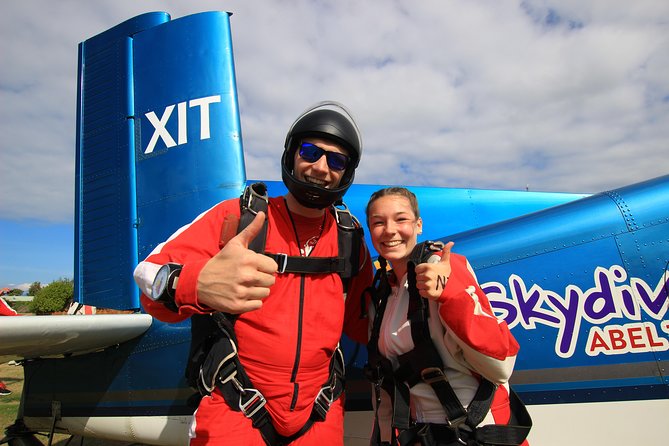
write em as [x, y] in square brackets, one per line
[611, 297]
[161, 133]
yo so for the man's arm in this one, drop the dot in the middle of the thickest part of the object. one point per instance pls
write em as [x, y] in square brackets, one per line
[228, 284]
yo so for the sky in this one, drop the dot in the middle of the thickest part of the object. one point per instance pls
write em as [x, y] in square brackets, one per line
[553, 95]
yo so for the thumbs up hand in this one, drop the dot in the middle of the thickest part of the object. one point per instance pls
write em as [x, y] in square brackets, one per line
[237, 279]
[431, 277]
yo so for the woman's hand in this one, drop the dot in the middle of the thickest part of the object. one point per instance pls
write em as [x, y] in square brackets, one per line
[431, 277]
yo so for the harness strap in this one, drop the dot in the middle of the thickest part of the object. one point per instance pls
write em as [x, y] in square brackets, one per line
[480, 405]
[424, 360]
[350, 237]
[308, 265]
[513, 433]
[378, 293]
[223, 369]
[423, 364]
[253, 200]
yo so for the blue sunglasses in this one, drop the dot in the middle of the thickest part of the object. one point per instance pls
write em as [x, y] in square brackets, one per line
[312, 153]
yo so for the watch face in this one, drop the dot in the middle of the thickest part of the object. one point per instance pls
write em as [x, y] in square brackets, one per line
[160, 282]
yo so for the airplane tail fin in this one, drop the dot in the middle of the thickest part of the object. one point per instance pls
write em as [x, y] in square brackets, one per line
[158, 141]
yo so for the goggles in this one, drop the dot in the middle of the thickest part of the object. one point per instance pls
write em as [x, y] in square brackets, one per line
[312, 153]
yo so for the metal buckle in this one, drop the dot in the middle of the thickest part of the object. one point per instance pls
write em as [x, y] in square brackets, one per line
[457, 422]
[251, 195]
[256, 398]
[323, 401]
[209, 386]
[432, 374]
[340, 361]
[435, 246]
[341, 207]
[282, 261]
[458, 428]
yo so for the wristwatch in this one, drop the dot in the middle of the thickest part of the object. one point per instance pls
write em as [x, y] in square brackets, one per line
[164, 287]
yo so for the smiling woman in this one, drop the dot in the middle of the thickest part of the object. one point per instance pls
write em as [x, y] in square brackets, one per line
[439, 365]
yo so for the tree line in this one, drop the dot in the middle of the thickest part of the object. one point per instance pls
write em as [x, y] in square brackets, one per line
[47, 299]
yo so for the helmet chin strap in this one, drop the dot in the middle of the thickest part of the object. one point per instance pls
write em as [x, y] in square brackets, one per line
[308, 204]
[310, 199]
[302, 200]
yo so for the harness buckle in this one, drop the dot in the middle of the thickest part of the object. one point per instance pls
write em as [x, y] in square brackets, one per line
[282, 261]
[340, 365]
[253, 404]
[459, 428]
[431, 375]
[235, 382]
[341, 207]
[252, 194]
[324, 400]
[456, 423]
[434, 246]
[225, 370]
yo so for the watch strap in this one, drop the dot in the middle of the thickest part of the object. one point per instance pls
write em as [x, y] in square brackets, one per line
[168, 295]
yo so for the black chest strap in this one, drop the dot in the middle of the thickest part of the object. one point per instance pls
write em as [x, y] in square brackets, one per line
[349, 236]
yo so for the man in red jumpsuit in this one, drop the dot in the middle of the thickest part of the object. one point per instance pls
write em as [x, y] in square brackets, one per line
[289, 324]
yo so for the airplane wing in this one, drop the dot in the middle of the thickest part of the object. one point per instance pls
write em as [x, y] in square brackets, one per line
[35, 336]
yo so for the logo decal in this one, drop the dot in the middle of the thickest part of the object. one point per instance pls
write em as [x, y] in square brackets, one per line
[161, 132]
[612, 297]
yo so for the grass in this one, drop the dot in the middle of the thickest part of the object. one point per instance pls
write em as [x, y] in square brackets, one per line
[12, 376]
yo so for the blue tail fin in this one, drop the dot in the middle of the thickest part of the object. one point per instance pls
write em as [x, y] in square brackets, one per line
[158, 142]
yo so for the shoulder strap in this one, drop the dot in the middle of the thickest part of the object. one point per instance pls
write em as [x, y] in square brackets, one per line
[350, 234]
[378, 293]
[418, 311]
[253, 200]
[377, 367]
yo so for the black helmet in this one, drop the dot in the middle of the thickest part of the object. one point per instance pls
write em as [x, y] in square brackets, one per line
[328, 120]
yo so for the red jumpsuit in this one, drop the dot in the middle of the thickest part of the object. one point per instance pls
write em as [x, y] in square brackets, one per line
[286, 345]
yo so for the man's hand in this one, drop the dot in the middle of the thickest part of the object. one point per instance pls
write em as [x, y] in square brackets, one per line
[431, 277]
[237, 279]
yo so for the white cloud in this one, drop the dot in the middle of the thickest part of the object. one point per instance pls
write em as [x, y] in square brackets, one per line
[566, 96]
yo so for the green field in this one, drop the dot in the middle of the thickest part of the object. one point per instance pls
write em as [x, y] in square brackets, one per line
[12, 376]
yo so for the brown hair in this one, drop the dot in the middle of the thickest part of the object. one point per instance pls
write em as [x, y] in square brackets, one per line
[394, 190]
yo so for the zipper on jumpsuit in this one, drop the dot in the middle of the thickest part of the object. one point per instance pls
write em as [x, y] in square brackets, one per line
[298, 350]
